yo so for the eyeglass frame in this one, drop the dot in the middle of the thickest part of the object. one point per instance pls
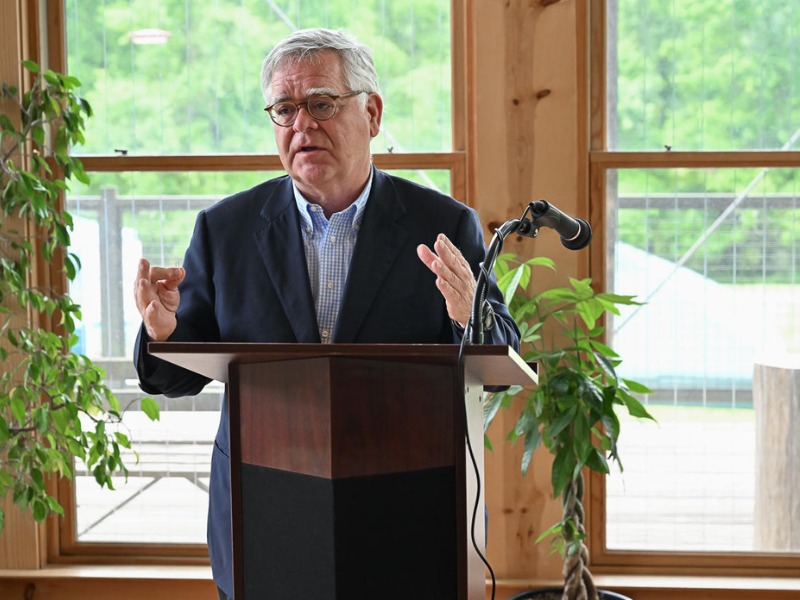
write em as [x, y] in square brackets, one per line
[336, 103]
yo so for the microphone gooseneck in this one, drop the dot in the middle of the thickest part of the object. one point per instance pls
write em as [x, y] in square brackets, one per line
[575, 235]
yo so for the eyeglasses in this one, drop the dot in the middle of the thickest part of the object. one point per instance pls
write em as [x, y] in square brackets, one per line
[320, 106]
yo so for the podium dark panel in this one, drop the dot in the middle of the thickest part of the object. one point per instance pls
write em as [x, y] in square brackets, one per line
[347, 417]
[383, 536]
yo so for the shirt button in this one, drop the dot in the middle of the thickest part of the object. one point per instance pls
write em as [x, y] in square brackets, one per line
[324, 333]
[333, 238]
[313, 208]
[330, 285]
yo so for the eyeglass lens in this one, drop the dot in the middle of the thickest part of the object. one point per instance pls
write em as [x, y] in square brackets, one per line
[319, 107]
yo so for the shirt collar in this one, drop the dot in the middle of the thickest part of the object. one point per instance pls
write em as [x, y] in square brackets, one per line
[360, 203]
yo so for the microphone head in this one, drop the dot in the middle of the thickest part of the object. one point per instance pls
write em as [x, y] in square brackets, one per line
[581, 240]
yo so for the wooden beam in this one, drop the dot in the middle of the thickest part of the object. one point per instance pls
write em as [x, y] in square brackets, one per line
[695, 160]
[258, 162]
[20, 545]
[531, 142]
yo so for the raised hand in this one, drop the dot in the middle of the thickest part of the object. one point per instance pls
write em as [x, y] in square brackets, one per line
[454, 277]
[157, 298]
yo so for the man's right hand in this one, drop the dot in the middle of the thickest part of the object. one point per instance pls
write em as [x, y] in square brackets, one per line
[157, 298]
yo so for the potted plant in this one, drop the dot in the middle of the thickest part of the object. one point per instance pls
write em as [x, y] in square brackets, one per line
[54, 404]
[572, 410]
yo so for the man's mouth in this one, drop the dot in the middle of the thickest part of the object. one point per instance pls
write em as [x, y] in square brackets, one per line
[308, 148]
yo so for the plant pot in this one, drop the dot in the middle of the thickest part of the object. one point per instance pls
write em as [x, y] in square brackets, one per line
[554, 593]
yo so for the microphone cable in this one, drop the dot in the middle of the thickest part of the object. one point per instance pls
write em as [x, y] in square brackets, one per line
[460, 368]
[470, 335]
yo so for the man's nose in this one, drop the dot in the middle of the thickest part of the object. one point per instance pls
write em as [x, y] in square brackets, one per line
[304, 120]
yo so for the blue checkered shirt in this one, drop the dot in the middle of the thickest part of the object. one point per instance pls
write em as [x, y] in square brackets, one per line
[329, 245]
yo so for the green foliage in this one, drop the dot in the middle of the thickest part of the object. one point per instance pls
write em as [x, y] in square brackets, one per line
[54, 404]
[199, 93]
[753, 244]
[572, 410]
[700, 75]
[705, 74]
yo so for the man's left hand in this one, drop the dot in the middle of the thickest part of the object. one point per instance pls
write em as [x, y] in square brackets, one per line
[454, 277]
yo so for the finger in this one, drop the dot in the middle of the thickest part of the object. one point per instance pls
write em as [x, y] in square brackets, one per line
[426, 256]
[456, 291]
[169, 296]
[167, 274]
[143, 272]
[144, 293]
[452, 257]
[449, 267]
[434, 263]
[176, 276]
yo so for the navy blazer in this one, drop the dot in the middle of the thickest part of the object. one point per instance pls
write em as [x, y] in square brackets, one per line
[247, 281]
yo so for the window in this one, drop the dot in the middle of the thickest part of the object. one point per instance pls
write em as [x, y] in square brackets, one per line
[179, 125]
[700, 179]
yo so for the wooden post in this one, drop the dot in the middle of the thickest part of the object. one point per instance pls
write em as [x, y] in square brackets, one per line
[776, 398]
[21, 544]
[529, 142]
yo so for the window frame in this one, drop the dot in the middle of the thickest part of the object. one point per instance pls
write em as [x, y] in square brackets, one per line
[62, 544]
[602, 160]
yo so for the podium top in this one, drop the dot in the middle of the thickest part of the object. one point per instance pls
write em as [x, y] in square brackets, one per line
[491, 364]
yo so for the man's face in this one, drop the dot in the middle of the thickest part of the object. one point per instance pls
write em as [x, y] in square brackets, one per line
[328, 160]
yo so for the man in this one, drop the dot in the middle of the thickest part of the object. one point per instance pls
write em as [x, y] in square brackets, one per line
[326, 254]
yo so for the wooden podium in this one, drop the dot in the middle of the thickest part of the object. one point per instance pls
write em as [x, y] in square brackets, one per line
[350, 476]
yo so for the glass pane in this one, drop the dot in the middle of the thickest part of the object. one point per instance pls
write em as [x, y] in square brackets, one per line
[177, 77]
[703, 74]
[715, 254]
[438, 180]
[119, 218]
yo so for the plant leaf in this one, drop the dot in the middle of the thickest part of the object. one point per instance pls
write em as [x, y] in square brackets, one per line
[637, 387]
[532, 441]
[151, 409]
[31, 66]
[635, 408]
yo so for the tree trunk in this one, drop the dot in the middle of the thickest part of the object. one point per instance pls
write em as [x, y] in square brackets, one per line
[578, 583]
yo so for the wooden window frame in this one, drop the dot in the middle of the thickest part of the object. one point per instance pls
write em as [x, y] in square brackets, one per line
[601, 160]
[62, 544]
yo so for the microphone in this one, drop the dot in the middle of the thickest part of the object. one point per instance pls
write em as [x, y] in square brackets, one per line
[575, 233]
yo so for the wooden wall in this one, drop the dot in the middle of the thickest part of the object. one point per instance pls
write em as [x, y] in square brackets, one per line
[528, 141]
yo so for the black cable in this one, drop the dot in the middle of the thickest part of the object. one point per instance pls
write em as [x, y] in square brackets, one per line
[473, 333]
[476, 469]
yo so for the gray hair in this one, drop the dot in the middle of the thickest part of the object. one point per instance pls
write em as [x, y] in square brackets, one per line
[303, 44]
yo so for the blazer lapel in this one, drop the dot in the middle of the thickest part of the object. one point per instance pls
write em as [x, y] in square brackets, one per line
[380, 240]
[281, 248]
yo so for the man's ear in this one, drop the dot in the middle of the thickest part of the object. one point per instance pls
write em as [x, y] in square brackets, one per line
[375, 111]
